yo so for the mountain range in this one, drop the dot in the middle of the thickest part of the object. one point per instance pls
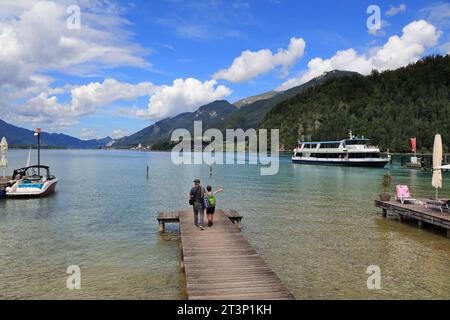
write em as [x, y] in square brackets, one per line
[389, 107]
[20, 137]
[245, 114]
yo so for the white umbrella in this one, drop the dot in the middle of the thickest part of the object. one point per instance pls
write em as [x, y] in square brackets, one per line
[437, 163]
[4, 161]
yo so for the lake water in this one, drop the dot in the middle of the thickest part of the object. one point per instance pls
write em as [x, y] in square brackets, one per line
[315, 226]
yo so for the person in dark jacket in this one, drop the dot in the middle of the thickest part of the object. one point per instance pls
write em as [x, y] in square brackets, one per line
[196, 196]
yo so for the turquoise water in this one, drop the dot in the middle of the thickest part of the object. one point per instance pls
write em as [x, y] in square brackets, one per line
[316, 227]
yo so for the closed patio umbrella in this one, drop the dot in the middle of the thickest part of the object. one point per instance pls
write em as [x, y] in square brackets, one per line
[437, 163]
[4, 161]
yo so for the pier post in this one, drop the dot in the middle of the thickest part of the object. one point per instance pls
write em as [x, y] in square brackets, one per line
[400, 218]
[448, 233]
[420, 223]
[161, 226]
[384, 213]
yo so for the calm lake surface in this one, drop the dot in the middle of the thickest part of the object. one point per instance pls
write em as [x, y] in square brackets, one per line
[315, 226]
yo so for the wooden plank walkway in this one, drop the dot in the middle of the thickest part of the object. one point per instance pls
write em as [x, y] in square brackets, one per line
[3, 182]
[174, 217]
[420, 213]
[220, 264]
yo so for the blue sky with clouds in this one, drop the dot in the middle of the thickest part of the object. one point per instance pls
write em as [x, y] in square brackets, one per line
[133, 62]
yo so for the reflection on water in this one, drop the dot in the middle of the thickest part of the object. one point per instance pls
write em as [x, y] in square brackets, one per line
[315, 226]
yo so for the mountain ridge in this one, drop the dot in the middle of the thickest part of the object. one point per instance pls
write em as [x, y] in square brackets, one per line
[21, 137]
[243, 115]
[388, 107]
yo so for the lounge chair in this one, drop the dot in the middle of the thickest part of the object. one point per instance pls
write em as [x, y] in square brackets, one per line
[443, 206]
[403, 195]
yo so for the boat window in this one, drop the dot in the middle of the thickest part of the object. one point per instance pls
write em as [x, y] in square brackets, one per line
[328, 155]
[363, 155]
[355, 142]
[299, 154]
[329, 145]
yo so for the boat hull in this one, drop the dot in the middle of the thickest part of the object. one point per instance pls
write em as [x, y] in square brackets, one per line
[48, 189]
[365, 164]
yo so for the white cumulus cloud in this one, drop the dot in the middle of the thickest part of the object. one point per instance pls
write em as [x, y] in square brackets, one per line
[396, 52]
[184, 95]
[251, 64]
[35, 40]
[396, 10]
[85, 100]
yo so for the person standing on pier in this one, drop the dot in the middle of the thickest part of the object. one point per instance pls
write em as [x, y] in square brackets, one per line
[210, 197]
[196, 197]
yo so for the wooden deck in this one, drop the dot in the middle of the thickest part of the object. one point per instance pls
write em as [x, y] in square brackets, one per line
[220, 264]
[419, 213]
[174, 217]
[4, 181]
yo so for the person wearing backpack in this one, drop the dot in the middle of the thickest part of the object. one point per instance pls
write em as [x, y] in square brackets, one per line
[210, 204]
[196, 197]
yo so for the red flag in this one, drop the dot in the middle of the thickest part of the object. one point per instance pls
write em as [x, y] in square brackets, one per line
[413, 145]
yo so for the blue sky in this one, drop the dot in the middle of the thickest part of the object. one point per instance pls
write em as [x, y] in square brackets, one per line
[115, 74]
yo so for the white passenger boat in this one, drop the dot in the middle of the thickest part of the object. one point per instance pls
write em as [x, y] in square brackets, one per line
[353, 152]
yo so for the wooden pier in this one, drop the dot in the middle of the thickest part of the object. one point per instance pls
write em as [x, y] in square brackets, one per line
[419, 213]
[174, 217]
[220, 264]
[3, 182]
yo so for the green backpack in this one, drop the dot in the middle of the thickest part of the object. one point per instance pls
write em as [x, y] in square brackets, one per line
[212, 201]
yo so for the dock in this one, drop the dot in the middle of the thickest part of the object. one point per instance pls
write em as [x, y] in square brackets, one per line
[4, 181]
[419, 213]
[174, 217]
[220, 264]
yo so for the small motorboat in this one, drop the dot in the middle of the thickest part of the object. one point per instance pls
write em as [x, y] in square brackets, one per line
[30, 182]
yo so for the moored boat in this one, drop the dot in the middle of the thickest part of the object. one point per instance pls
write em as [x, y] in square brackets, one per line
[28, 182]
[354, 152]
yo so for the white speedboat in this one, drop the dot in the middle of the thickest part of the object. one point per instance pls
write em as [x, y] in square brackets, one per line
[354, 152]
[32, 181]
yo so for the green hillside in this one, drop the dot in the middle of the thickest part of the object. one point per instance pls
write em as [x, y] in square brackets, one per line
[388, 107]
[159, 133]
